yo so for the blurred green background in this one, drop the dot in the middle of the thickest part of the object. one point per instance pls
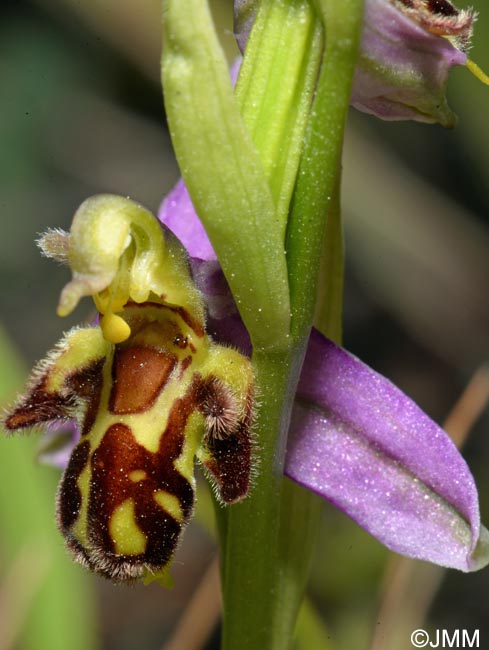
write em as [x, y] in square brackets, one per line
[81, 112]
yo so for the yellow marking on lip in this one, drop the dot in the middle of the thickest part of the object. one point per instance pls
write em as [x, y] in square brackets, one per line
[79, 528]
[127, 537]
[138, 475]
[193, 436]
[170, 504]
[79, 349]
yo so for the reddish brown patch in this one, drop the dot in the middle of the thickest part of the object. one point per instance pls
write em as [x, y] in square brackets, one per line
[185, 364]
[117, 456]
[139, 374]
[193, 323]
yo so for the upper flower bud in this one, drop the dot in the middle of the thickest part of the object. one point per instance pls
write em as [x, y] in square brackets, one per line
[408, 48]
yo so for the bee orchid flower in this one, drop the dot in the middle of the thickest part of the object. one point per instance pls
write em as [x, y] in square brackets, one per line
[165, 378]
[146, 387]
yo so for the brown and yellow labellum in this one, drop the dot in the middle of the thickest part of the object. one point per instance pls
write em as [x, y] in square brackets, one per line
[146, 407]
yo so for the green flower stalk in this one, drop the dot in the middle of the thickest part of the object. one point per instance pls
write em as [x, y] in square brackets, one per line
[214, 152]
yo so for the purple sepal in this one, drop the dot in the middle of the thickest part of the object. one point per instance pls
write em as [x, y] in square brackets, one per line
[178, 214]
[244, 17]
[57, 443]
[223, 321]
[359, 442]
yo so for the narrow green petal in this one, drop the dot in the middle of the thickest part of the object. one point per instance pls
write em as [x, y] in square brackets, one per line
[223, 171]
[319, 171]
[275, 89]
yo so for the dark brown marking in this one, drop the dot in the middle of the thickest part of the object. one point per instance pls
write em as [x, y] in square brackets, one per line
[230, 466]
[185, 364]
[40, 406]
[231, 458]
[87, 386]
[139, 375]
[442, 8]
[193, 323]
[117, 456]
[220, 408]
[69, 496]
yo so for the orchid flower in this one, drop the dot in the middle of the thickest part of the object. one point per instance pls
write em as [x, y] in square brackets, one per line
[407, 50]
[355, 439]
[203, 348]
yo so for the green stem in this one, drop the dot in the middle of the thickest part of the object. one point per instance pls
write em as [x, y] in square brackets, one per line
[329, 304]
[251, 564]
[299, 520]
[319, 169]
[274, 91]
[315, 216]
